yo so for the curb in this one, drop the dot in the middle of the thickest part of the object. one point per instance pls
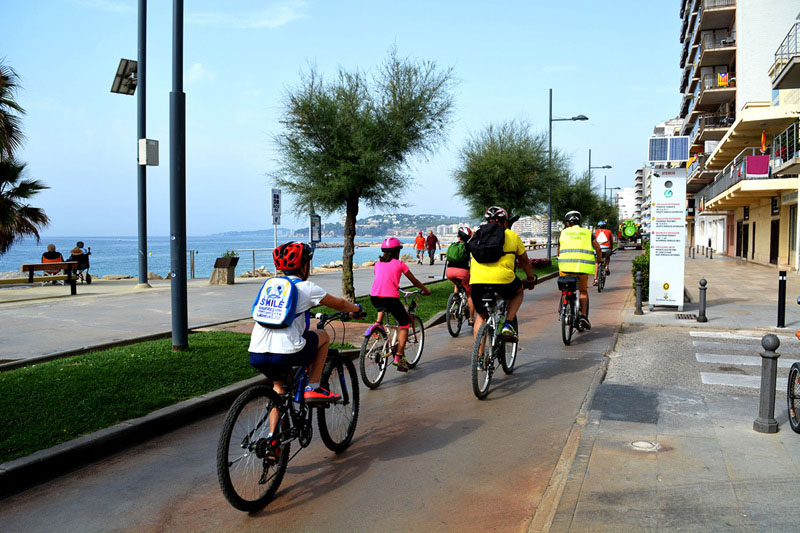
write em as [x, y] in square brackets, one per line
[25, 472]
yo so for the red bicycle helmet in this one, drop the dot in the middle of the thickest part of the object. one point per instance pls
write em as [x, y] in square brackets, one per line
[292, 256]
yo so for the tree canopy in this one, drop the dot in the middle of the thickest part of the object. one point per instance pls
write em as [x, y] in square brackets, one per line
[18, 219]
[507, 165]
[11, 136]
[348, 140]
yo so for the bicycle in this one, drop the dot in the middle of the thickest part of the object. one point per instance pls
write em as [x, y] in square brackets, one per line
[499, 348]
[252, 458]
[568, 307]
[457, 309]
[793, 392]
[601, 277]
[379, 345]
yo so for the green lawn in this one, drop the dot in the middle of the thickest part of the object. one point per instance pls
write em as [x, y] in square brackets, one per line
[49, 403]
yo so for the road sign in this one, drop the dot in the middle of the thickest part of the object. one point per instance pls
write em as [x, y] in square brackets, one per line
[276, 207]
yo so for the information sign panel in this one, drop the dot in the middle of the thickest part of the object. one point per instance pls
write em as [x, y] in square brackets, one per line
[276, 207]
[667, 237]
[316, 228]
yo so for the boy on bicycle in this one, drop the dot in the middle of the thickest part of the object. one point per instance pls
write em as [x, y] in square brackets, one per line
[296, 344]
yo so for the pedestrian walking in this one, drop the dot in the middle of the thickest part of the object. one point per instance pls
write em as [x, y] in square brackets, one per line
[432, 242]
[419, 247]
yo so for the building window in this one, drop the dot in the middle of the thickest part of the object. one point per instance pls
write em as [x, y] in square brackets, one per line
[776, 207]
[792, 228]
[746, 212]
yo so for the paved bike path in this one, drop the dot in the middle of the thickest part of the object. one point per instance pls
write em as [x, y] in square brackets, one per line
[424, 448]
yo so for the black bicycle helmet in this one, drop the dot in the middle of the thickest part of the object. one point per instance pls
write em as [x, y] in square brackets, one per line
[572, 218]
[496, 214]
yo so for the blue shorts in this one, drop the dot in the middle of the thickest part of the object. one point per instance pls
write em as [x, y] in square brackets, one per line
[265, 361]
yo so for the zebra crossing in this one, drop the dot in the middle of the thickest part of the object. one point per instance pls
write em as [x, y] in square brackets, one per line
[736, 356]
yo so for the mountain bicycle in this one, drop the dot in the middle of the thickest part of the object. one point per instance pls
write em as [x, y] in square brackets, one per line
[380, 343]
[457, 309]
[491, 347]
[568, 307]
[255, 443]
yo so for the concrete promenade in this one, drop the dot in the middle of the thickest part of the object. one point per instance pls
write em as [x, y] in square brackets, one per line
[668, 443]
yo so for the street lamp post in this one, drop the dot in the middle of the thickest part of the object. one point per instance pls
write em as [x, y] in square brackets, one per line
[591, 167]
[550, 164]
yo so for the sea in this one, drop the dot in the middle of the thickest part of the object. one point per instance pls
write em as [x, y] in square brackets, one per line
[119, 255]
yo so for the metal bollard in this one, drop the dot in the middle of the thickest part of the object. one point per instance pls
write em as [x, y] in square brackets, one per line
[701, 314]
[711, 253]
[766, 423]
[638, 310]
[782, 299]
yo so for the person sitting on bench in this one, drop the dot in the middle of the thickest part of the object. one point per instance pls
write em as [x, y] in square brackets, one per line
[51, 256]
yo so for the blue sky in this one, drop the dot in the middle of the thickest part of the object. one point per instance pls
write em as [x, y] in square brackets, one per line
[616, 62]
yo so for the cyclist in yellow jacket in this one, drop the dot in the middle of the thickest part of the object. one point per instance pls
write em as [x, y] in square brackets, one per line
[578, 252]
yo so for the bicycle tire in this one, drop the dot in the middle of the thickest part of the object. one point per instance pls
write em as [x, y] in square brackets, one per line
[373, 358]
[239, 467]
[567, 313]
[507, 361]
[416, 341]
[453, 314]
[337, 421]
[481, 363]
[793, 397]
[601, 279]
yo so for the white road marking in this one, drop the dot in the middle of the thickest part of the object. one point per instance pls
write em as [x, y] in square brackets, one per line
[784, 349]
[737, 380]
[737, 336]
[728, 359]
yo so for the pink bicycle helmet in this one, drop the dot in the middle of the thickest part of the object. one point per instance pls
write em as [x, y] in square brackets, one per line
[391, 243]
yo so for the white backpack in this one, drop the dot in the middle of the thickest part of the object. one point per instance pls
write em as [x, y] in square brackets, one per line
[276, 303]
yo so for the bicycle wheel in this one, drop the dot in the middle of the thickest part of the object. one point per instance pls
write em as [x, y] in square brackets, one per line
[793, 397]
[248, 478]
[453, 314]
[601, 279]
[337, 421]
[482, 362]
[416, 341]
[373, 358]
[567, 313]
[508, 354]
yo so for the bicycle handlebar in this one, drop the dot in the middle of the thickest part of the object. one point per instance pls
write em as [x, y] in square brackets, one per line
[324, 319]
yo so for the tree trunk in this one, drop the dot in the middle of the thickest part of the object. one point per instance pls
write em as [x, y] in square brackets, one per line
[348, 290]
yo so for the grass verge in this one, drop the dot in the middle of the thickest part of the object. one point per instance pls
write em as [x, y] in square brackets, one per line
[53, 402]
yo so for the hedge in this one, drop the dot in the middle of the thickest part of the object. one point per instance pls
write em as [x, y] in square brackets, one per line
[641, 263]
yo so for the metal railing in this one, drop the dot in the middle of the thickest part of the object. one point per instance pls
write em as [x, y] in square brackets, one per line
[733, 173]
[266, 252]
[710, 42]
[785, 145]
[710, 4]
[710, 121]
[787, 50]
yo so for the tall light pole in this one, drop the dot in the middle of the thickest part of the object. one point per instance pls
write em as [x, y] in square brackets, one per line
[550, 164]
[177, 186]
[591, 167]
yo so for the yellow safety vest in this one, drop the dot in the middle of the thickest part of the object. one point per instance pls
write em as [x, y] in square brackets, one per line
[576, 253]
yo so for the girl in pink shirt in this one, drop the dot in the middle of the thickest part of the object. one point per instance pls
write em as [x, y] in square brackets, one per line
[385, 295]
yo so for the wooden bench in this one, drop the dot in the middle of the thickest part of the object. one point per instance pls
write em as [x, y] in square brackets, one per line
[70, 267]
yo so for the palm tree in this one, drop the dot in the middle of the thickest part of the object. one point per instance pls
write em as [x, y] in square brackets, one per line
[11, 136]
[18, 219]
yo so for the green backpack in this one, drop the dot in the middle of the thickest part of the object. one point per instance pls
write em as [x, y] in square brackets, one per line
[456, 252]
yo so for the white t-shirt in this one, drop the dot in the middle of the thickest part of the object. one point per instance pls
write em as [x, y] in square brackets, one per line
[289, 339]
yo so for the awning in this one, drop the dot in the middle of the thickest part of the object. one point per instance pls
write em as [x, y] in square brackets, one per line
[746, 131]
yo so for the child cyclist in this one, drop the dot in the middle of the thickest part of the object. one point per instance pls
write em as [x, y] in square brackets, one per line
[385, 295]
[296, 344]
[458, 267]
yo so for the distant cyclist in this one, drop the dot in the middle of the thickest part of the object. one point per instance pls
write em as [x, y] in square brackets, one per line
[385, 295]
[295, 344]
[495, 252]
[458, 267]
[605, 239]
[578, 252]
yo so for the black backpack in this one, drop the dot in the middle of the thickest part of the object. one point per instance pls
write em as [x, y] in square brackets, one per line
[486, 245]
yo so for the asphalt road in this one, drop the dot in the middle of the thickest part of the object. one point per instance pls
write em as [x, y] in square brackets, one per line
[427, 454]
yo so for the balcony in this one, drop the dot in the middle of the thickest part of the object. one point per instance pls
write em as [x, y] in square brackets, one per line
[717, 14]
[786, 151]
[717, 51]
[697, 174]
[710, 128]
[785, 71]
[737, 185]
[716, 90]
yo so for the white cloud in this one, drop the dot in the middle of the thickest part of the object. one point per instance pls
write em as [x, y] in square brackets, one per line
[276, 15]
[551, 69]
[114, 6]
[197, 72]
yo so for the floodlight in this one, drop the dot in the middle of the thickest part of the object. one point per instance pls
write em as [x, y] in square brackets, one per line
[125, 79]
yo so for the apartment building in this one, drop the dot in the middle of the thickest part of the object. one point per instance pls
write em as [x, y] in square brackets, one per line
[638, 194]
[625, 200]
[728, 48]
